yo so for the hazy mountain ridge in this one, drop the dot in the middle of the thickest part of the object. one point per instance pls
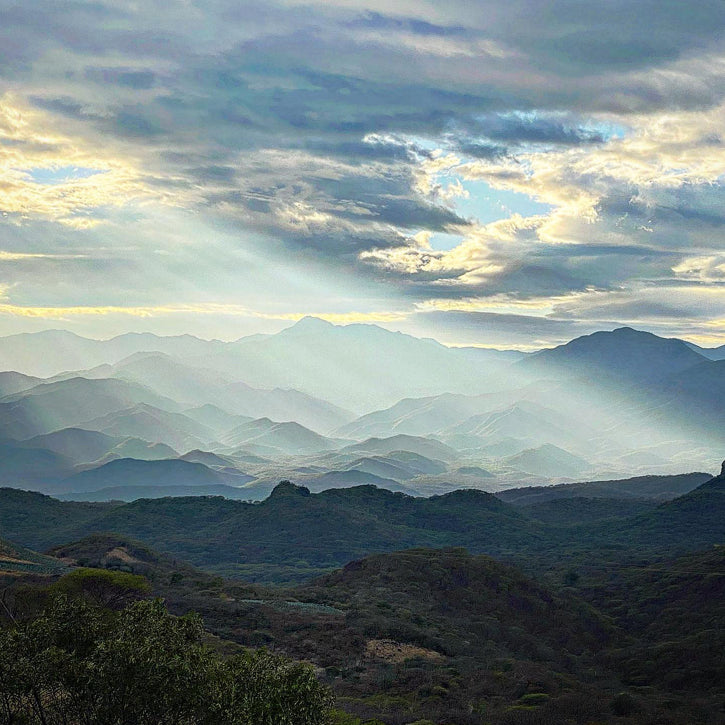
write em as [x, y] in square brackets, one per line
[582, 409]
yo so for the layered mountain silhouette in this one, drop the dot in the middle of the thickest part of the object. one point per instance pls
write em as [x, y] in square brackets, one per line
[300, 405]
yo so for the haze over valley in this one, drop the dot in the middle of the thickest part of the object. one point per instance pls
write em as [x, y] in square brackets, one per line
[329, 406]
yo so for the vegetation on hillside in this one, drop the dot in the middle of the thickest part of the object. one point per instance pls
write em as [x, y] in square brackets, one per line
[75, 659]
[449, 638]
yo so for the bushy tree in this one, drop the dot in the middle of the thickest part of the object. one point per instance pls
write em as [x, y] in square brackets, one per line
[112, 589]
[80, 664]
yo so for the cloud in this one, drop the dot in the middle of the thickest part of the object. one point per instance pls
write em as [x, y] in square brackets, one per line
[218, 141]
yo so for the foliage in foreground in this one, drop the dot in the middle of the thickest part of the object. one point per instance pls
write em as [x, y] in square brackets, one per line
[79, 664]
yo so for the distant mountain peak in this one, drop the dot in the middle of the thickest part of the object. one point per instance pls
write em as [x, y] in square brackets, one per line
[309, 323]
[625, 353]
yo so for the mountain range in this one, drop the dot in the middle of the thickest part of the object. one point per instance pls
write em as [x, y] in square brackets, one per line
[329, 405]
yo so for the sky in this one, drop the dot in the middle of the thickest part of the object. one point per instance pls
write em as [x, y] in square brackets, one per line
[498, 173]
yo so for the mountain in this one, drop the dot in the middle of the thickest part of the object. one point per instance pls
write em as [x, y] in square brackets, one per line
[289, 438]
[427, 447]
[131, 472]
[211, 460]
[21, 466]
[399, 468]
[52, 352]
[140, 449]
[286, 405]
[70, 403]
[700, 388]
[548, 460]
[198, 386]
[167, 376]
[474, 471]
[524, 421]
[12, 382]
[82, 447]
[337, 363]
[148, 422]
[624, 354]
[421, 416]
[76, 444]
[215, 419]
[29, 352]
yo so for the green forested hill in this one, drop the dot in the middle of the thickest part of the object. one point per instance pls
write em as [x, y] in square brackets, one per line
[675, 610]
[293, 535]
[290, 535]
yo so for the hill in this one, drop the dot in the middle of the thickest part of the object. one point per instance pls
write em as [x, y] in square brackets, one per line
[693, 521]
[289, 536]
[565, 512]
[426, 447]
[675, 610]
[294, 534]
[437, 628]
[17, 561]
[548, 460]
[142, 490]
[659, 488]
[463, 639]
[129, 472]
[12, 382]
[149, 422]
[289, 438]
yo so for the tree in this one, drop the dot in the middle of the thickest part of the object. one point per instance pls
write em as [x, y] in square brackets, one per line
[80, 664]
[112, 589]
[266, 689]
